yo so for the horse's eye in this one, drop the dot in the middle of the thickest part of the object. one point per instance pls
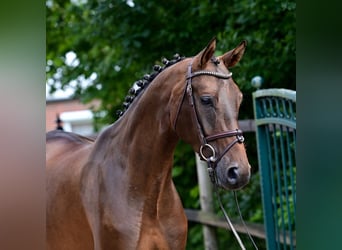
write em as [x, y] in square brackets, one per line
[207, 100]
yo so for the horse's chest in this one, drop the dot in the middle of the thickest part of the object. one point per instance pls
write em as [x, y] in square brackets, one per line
[162, 235]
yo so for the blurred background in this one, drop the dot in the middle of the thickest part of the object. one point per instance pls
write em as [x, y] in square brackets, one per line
[95, 50]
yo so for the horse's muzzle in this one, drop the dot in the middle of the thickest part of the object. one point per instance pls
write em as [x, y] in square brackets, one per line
[234, 177]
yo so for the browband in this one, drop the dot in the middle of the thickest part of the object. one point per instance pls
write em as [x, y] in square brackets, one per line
[209, 73]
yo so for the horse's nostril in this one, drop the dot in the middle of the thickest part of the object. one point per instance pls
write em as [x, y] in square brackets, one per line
[233, 175]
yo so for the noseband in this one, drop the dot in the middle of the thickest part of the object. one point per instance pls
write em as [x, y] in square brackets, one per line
[214, 157]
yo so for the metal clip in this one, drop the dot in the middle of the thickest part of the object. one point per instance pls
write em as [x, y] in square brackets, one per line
[240, 138]
[211, 173]
[189, 92]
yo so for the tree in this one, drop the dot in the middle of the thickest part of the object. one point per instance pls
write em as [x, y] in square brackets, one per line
[120, 42]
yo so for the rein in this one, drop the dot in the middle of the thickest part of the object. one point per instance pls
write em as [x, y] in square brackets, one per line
[212, 159]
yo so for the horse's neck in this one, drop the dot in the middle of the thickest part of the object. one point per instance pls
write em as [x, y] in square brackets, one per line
[140, 145]
[146, 126]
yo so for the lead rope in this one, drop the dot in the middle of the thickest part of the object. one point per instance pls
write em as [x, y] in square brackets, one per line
[213, 177]
[243, 222]
[228, 220]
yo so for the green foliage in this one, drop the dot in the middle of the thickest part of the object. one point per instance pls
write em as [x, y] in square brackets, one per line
[108, 35]
[285, 203]
[121, 43]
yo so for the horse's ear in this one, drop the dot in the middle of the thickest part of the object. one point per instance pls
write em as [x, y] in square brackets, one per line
[233, 56]
[204, 56]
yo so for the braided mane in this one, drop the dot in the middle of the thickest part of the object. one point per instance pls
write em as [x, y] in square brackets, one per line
[141, 84]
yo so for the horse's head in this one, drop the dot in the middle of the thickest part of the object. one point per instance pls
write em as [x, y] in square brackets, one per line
[207, 116]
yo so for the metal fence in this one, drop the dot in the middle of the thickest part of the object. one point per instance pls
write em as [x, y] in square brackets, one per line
[275, 120]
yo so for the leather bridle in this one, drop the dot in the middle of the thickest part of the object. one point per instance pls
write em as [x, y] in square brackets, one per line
[214, 157]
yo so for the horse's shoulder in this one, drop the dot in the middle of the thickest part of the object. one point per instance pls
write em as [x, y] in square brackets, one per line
[59, 135]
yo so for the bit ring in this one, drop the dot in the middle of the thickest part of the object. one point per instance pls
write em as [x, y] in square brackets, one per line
[212, 157]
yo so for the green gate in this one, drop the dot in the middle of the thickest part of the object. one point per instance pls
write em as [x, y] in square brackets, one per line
[275, 120]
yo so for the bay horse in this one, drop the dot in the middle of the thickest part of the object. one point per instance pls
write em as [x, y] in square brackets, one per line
[116, 192]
